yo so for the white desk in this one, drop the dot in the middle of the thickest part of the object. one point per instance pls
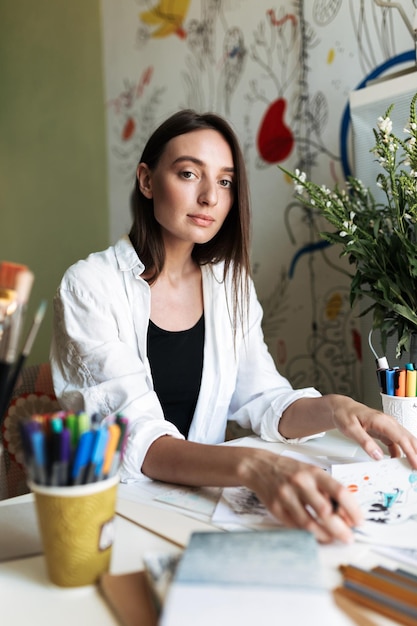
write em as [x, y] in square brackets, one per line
[27, 595]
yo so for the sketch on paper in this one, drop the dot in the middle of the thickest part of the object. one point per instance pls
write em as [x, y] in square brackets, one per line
[387, 494]
[241, 507]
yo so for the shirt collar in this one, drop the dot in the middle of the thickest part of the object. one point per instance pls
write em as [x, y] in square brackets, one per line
[126, 256]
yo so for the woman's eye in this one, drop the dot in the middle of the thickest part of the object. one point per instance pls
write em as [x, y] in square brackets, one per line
[226, 183]
[187, 175]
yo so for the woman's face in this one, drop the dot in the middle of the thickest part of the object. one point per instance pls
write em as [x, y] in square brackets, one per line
[192, 186]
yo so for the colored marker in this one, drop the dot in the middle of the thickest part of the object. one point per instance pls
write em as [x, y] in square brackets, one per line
[39, 456]
[410, 383]
[390, 381]
[101, 436]
[114, 437]
[82, 457]
[400, 382]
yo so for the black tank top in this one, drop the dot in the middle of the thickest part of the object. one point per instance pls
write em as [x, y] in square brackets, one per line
[176, 359]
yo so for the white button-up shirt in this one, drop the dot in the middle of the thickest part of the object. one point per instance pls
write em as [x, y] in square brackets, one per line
[99, 356]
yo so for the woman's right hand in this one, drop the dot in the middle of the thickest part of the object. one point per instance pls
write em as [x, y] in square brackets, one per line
[302, 496]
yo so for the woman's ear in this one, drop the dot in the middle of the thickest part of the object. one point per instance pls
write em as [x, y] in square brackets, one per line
[144, 177]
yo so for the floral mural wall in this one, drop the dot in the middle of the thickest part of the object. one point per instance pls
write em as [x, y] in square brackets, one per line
[281, 73]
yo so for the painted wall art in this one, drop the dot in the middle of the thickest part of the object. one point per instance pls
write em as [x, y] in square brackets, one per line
[281, 73]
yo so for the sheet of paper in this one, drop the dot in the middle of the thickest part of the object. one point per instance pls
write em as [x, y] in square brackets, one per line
[387, 493]
[170, 525]
[19, 533]
[198, 499]
[239, 506]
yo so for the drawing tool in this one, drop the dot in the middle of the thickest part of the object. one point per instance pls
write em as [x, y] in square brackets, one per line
[83, 422]
[400, 382]
[11, 323]
[381, 372]
[398, 575]
[82, 457]
[410, 382]
[123, 423]
[71, 424]
[101, 437]
[114, 437]
[17, 368]
[64, 457]
[390, 381]
[379, 603]
[50, 456]
[381, 583]
[118, 455]
[54, 470]
[381, 365]
[37, 439]
[26, 430]
[351, 608]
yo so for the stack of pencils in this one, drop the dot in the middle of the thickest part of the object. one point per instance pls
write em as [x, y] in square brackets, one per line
[392, 593]
[63, 449]
[16, 282]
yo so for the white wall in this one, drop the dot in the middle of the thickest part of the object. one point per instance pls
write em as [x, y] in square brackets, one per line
[299, 61]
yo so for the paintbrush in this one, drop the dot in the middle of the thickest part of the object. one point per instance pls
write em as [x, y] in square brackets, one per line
[27, 347]
[8, 293]
[16, 284]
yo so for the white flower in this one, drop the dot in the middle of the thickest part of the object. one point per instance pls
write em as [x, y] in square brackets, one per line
[299, 182]
[302, 176]
[385, 125]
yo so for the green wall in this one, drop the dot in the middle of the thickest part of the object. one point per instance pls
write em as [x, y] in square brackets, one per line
[53, 179]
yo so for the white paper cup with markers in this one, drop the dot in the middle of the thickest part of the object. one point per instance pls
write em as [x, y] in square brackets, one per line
[403, 409]
[77, 529]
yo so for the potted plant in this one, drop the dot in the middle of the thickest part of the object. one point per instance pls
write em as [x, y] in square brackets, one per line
[379, 239]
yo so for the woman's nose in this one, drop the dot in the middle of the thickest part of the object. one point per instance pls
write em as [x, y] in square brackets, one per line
[208, 192]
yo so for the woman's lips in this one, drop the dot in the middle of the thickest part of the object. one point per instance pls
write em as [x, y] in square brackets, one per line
[201, 219]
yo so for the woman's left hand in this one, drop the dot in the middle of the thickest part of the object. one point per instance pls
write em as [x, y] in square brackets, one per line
[363, 424]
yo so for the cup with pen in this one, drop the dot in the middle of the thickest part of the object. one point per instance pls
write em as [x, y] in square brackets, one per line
[398, 386]
[72, 462]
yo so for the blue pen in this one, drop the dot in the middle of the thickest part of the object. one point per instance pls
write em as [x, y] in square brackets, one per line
[82, 457]
[97, 457]
[39, 456]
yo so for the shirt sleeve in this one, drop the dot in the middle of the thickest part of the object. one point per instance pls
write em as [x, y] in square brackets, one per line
[96, 364]
[262, 394]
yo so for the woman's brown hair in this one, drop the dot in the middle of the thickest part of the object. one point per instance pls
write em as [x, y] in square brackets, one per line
[232, 242]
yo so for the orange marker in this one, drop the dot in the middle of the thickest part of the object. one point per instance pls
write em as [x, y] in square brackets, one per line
[400, 382]
[410, 383]
[114, 436]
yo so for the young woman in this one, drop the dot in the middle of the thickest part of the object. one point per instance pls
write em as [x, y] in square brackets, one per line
[165, 327]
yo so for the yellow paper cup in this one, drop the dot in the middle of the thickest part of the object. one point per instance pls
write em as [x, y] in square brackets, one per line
[403, 409]
[77, 529]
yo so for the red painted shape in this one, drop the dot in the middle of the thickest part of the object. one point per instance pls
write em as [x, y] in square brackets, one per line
[128, 129]
[275, 140]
